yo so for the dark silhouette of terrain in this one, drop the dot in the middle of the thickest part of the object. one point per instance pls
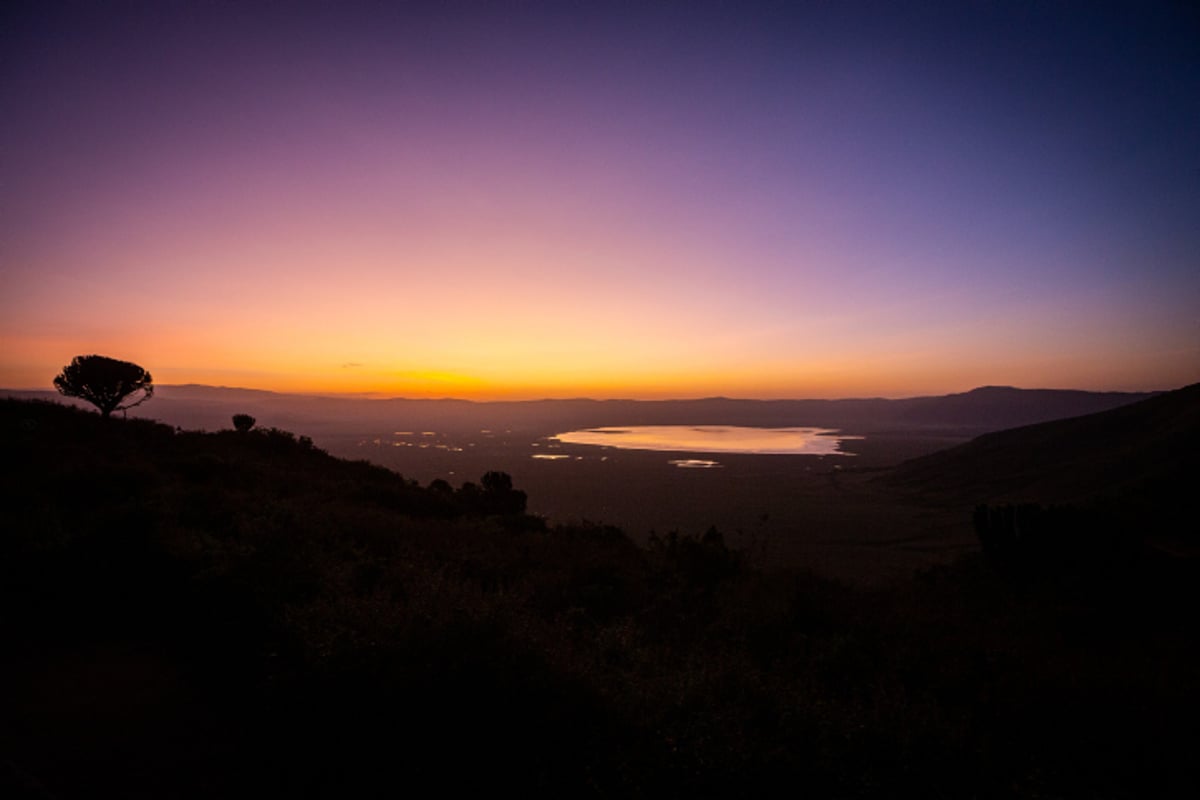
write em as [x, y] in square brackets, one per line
[1145, 454]
[789, 510]
[238, 613]
[1113, 486]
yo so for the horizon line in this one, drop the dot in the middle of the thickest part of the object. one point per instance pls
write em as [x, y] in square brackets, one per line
[381, 397]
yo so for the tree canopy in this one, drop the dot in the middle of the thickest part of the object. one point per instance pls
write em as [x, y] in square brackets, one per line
[105, 382]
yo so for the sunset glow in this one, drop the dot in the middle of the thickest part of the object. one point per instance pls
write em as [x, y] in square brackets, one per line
[518, 201]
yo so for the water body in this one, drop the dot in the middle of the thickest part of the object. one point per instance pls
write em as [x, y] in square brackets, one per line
[714, 439]
[695, 463]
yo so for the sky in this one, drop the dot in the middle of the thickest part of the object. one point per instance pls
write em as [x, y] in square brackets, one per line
[520, 200]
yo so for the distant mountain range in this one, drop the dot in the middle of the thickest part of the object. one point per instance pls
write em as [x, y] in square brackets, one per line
[981, 410]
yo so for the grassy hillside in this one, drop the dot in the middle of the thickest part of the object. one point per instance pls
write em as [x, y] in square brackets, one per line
[1143, 454]
[197, 615]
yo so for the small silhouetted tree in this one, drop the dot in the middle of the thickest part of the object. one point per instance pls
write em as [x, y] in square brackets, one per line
[497, 482]
[105, 382]
[243, 422]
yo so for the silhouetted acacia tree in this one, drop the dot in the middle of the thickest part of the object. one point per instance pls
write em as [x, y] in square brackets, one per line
[104, 382]
[243, 422]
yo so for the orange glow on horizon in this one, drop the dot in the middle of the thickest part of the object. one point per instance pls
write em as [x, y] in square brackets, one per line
[511, 377]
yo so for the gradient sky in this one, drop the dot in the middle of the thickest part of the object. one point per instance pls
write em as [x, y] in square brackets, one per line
[608, 199]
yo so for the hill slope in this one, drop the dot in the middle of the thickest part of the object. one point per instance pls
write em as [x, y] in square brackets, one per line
[1144, 454]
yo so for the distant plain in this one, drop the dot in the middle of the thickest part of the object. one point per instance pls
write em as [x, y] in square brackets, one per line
[831, 514]
[823, 512]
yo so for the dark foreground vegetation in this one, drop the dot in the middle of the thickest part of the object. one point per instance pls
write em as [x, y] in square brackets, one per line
[238, 613]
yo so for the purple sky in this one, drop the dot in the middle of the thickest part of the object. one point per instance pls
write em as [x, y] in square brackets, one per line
[641, 199]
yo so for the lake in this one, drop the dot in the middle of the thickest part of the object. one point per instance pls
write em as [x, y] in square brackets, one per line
[713, 439]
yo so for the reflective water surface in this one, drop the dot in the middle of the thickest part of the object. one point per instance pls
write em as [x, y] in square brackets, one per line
[713, 439]
[695, 463]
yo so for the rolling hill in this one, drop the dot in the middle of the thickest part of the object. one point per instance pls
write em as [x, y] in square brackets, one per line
[1144, 454]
